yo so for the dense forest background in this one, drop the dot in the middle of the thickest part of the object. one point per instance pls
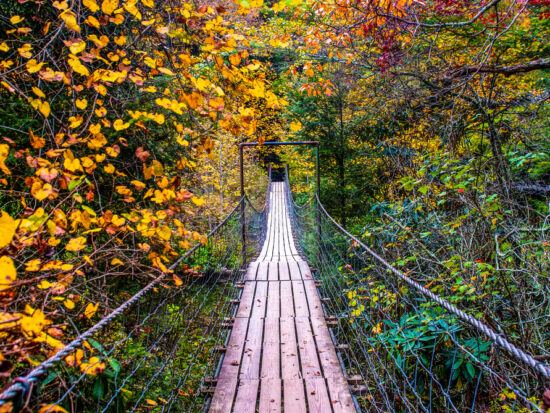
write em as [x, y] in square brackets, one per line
[120, 123]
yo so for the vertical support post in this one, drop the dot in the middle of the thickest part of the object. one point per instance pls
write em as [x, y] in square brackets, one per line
[317, 174]
[318, 193]
[243, 204]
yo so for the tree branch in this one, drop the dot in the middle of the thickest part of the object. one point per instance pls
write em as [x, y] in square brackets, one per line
[504, 70]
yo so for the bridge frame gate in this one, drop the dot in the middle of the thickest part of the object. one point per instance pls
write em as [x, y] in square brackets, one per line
[241, 169]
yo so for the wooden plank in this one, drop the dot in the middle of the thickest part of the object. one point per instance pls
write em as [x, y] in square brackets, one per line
[290, 364]
[273, 271]
[305, 271]
[271, 351]
[247, 395]
[325, 348]
[250, 365]
[287, 300]
[270, 396]
[317, 395]
[280, 326]
[273, 300]
[260, 300]
[233, 354]
[308, 351]
[278, 220]
[294, 396]
[246, 299]
[222, 402]
[283, 271]
[313, 300]
[294, 271]
[261, 275]
[300, 301]
[251, 271]
[340, 396]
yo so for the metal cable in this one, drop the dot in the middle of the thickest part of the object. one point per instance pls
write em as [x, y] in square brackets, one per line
[24, 383]
[517, 353]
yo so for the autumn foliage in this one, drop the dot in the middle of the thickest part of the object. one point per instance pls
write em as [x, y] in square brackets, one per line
[107, 108]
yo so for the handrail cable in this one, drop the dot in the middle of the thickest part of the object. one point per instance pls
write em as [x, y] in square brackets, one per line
[519, 354]
[24, 383]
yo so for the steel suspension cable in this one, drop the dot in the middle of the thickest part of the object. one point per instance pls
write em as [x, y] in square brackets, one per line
[23, 384]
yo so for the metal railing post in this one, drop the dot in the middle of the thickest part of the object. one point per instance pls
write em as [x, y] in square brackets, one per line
[318, 196]
[243, 205]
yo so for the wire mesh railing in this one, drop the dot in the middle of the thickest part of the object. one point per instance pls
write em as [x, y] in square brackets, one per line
[405, 348]
[155, 349]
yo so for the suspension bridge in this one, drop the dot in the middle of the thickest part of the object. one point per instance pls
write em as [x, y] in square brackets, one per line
[284, 310]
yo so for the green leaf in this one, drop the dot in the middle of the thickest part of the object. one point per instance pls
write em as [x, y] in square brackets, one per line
[99, 388]
[423, 189]
[471, 370]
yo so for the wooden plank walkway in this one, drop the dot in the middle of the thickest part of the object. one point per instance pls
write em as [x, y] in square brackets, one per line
[280, 356]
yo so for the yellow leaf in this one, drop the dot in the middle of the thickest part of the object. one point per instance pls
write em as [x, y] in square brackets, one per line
[116, 261]
[101, 112]
[69, 304]
[94, 367]
[51, 408]
[259, 89]
[41, 191]
[76, 244]
[159, 118]
[76, 48]
[38, 92]
[151, 402]
[33, 265]
[8, 273]
[177, 280]
[75, 359]
[120, 125]
[81, 103]
[7, 229]
[148, 3]
[150, 62]
[92, 21]
[25, 51]
[90, 310]
[44, 285]
[16, 19]
[295, 126]
[4, 152]
[4, 47]
[36, 141]
[235, 59]
[110, 168]
[35, 322]
[76, 121]
[61, 5]
[158, 169]
[78, 67]
[91, 4]
[33, 66]
[165, 71]
[138, 185]
[95, 128]
[73, 165]
[44, 108]
[120, 40]
[109, 6]
[198, 201]
[70, 20]
[164, 232]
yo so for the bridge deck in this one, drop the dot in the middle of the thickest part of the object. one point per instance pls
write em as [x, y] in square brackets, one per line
[280, 356]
